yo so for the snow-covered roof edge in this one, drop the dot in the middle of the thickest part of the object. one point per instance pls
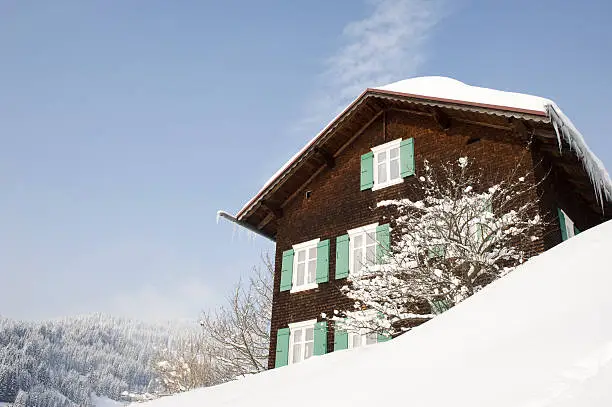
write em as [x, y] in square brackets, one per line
[452, 90]
[602, 184]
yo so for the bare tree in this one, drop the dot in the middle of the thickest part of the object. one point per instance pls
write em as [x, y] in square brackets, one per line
[239, 333]
[187, 364]
[459, 237]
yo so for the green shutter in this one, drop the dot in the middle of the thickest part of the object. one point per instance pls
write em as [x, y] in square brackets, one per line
[383, 337]
[367, 171]
[342, 256]
[286, 270]
[320, 338]
[562, 224]
[576, 230]
[382, 237]
[282, 347]
[407, 157]
[340, 338]
[323, 261]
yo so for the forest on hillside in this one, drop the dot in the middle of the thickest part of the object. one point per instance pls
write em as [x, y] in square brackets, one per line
[64, 362]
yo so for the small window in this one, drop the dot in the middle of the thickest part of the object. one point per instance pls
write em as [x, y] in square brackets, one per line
[387, 164]
[358, 340]
[301, 341]
[305, 266]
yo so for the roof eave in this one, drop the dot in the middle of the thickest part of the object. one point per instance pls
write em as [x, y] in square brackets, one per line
[380, 92]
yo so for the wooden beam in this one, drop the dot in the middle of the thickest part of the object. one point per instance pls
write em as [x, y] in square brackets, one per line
[326, 156]
[361, 130]
[277, 211]
[519, 127]
[546, 134]
[442, 119]
[412, 111]
[477, 123]
[269, 217]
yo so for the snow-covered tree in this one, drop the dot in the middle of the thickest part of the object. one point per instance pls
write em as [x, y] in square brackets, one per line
[239, 333]
[186, 365]
[461, 235]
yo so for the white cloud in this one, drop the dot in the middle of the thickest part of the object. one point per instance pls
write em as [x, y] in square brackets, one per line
[387, 45]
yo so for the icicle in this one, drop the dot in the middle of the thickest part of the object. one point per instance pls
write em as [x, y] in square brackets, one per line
[602, 184]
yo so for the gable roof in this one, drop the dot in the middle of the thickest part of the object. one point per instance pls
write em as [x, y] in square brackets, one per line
[428, 96]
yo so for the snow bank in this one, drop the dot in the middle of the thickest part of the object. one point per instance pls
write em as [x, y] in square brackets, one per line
[538, 337]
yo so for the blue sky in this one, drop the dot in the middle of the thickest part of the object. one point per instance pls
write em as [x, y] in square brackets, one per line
[125, 126]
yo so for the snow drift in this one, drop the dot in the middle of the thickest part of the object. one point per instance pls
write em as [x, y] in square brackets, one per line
[539, 337]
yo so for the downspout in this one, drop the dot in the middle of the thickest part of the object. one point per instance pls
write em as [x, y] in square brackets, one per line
[231, 218]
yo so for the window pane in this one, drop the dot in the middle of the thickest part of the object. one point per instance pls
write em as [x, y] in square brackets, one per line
[297, 335]
[371, 338]
[356, 340]
[394, 153]
[394, 169]
[297, 353]
[370, 239]
[308, 350]
[358, 259]
[301, 255]
[309, 334]
[358, 241]
[370, 255]
[382, 157]
[299, 279]
[312, 268]
[312, 253]
[382, 173]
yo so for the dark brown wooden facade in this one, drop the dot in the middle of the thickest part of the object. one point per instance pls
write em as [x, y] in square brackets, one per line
[319, 195]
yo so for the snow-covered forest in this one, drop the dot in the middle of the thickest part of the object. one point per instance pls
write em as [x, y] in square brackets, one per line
[64, 362]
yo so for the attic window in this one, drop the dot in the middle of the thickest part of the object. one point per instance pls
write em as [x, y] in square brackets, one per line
[387, 164]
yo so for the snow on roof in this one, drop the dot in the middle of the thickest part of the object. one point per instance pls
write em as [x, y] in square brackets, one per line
[539, 337]
[453, 90]
[449, 88]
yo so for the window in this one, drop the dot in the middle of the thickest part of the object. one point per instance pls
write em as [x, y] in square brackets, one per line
[305, 266]
[357, 340]
[301, 341]
[362, 249]
[387, 164]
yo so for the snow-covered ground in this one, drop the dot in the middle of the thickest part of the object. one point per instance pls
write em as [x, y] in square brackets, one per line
[540, 337]
[105, 402]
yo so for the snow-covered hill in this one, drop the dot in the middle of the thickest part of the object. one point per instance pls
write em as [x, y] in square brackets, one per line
[539, 337]
[62, 362]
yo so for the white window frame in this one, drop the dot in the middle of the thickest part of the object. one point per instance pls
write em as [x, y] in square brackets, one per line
[296, 248]
[363, 336]
[361, 231]
[387, 147]
[569, 225]
[302, 326]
